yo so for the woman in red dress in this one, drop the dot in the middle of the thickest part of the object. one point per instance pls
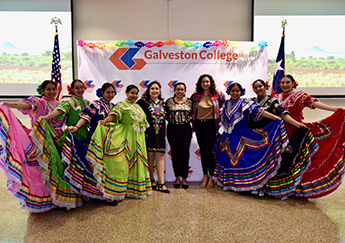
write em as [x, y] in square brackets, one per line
[325, 173]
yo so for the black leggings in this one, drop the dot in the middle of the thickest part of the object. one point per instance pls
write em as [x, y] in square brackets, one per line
[206, 134]
[179, 138]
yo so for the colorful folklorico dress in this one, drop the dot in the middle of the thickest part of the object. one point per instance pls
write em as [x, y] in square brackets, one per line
[78, 172]
[324, 174]
[117, 152]
[49, 146]
[17, 155]
[295, 159]
[246, 158]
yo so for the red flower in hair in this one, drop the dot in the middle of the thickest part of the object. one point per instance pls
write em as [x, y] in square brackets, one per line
[267, 85]
[69, 89]
[295, 84]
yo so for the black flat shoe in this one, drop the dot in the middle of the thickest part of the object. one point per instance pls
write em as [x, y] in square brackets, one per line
[154, 187]
[177, 185]
[160, 188]
[113, 203]
[185, 186]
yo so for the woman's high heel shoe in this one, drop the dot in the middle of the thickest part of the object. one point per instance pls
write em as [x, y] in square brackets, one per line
[160, 188]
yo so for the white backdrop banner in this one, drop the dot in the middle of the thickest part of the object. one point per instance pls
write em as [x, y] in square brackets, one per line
[123, 63]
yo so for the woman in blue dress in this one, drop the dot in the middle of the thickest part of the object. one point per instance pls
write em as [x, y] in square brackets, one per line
[246, 158]
[78, 172]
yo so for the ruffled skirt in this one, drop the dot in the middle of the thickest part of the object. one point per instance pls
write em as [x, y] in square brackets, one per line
[118, 156]
[19, 165]
[48, 155]
[326, 171]
[247, 158]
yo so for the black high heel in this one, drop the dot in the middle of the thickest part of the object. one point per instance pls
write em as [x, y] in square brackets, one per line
[154, 187]
[160, 188]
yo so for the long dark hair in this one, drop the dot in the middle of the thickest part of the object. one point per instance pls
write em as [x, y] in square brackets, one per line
[261, 81]
[146, 94]
[199, 88]
[43, 85]
[292, 80]
[233, 85]
[130, 87]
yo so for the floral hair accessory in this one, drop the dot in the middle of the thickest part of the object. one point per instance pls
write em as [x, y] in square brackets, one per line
[110, 45]
[120, 43]
[217, 43]
[207, 44]
[226, 43]
[188, 44]
[179, 42]
[81, 43]
[69, 89]
[295, 84]
[99, 93]
[262, 44]
[39, 89]
[159, 44]
[197, 45]
[149, 44]
[139, 44]
[129, 43]
[243, 91]
[228, 89]
[169, 42]
[267, 85]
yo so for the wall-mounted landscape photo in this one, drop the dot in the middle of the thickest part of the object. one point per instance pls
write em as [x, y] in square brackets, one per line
[314, 48]
[26, 46]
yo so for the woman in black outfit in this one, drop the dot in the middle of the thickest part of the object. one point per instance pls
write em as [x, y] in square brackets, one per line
[179, 132]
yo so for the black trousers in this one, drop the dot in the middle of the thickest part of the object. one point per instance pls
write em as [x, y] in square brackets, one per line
[206, 134]
[179, 138]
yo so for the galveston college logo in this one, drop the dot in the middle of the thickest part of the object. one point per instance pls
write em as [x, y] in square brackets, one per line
[171, 85]
[123, 59]
[226, 84]
[143, 85]
[89, 86]
[198, 155]
[117, 84]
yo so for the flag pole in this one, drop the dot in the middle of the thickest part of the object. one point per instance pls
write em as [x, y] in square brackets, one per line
[56, 62]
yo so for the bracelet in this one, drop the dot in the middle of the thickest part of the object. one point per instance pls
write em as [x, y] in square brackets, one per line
[77, 126]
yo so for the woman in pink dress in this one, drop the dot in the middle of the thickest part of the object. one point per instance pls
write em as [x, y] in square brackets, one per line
[17, 153]
[324, 174]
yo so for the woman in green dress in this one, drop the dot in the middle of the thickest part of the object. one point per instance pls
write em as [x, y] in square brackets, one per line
[49, 145]
[117, 151]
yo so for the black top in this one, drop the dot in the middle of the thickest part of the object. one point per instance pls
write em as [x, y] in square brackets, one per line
[178, 113]
[271, 105]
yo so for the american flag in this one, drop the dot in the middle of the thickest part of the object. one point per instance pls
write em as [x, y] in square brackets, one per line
[56, 75]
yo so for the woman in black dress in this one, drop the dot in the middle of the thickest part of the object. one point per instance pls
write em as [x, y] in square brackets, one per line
[153, 106]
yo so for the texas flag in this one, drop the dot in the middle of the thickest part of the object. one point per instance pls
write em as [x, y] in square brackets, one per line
[279, 71]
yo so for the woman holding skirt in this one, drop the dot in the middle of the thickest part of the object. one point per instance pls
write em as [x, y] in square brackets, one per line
[326, 170]
[50, 144]
[117, 151]
[78, 172]
[296, 157]
[247, 158]
[18, 153]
